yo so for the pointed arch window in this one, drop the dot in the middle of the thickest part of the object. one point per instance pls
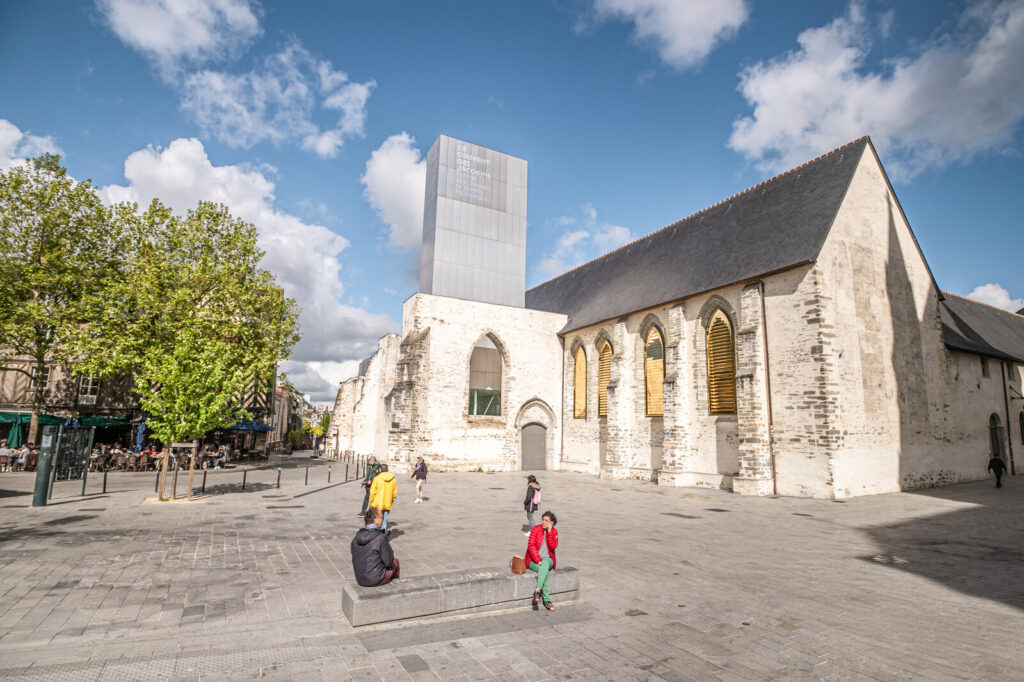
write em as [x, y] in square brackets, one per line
[579, 384]
[721, 365]
[654, 372]
[485, 378]
[604, 375]
[995, 435]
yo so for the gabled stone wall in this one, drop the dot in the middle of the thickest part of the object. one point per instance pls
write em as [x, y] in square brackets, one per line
[429, 406]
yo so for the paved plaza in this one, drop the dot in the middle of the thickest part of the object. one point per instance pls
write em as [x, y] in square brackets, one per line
[676, 584]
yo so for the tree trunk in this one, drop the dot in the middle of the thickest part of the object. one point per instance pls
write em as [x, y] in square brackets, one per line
[38, 401]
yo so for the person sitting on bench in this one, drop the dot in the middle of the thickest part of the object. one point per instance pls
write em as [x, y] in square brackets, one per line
[373, 561]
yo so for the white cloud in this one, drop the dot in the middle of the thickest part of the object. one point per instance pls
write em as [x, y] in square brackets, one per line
[568, 253]
[683, 33]
[17, 145]
[175, 32]
[960, 95]
[304, 257]
[575, 247]
[995, 295]
[394, 182]
[612, 237]
[277, 102]
[319, 379]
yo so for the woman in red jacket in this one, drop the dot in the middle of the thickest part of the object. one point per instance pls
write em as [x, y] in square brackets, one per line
[540, 557]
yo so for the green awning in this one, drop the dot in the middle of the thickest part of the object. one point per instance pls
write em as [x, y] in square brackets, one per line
[26, 417]
[102, 420]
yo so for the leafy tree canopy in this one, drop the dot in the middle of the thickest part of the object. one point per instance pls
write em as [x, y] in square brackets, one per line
[59, 249]
[194, 318]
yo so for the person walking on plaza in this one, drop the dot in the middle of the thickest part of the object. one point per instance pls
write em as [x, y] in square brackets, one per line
[383, 493]
[372, 469]
[540, 557]
[997, 467]
[532, 501]
[373, 560]
[419, 472]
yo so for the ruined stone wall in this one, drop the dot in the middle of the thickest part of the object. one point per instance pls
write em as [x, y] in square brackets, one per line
[369, 419]
[342, 429]
[430, 400]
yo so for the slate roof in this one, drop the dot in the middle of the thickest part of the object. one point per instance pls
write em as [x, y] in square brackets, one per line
[773, 226]
[980, 328]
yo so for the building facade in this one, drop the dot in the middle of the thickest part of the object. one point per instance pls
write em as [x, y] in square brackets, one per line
[788, 340]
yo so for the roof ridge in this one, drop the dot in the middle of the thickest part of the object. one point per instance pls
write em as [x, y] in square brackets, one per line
[703, 210]
[987, 305]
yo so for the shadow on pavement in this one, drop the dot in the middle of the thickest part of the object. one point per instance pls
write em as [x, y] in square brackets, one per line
[227, 488]
[977, 550]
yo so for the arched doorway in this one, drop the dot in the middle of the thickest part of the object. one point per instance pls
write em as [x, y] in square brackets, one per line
[533, 447]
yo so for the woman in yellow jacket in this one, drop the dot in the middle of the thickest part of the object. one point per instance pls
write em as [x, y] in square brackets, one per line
[383, 493]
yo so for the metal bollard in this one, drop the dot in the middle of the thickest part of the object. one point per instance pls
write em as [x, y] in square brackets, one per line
[85, 474]
[346, 472]
[244, 474]
[156, 486]
[328, 473]
[307, 474]
[279, 477]
[203, 489]
[104, 481]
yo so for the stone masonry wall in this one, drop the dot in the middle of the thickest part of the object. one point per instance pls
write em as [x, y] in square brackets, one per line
[430, 402]
[369, 418]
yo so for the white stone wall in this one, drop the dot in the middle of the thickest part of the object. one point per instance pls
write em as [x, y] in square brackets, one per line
[430, 403]
[908, 413]
[360, 414]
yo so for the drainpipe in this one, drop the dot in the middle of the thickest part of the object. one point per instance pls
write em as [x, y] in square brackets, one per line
[561, 409]
[1009, 425]
[768, 391]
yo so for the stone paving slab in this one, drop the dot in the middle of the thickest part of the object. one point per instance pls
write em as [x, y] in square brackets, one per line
[676, 584]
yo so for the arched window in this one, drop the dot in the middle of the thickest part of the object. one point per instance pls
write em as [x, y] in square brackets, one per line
[579, 384]
[604, 374]
[995, 435]
[721, 365]
[654, 371]
[485, 378]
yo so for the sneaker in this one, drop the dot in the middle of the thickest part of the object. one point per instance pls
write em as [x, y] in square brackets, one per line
[359, 515]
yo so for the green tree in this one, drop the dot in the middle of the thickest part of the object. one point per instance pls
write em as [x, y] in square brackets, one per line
[325, 422]
[196, 319]
[59, 247]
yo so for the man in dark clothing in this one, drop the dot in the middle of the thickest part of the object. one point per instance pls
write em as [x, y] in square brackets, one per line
[373, 561]
[997, 467]
[372, 469]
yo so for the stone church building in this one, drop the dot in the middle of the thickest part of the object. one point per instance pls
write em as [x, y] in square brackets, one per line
[790, 340]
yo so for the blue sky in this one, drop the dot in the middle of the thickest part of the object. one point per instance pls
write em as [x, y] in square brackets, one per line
[312, 120]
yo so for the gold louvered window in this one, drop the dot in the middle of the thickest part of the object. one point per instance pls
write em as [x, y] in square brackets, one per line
[579, 389]
[654, 372]
[604, 374]
[721, 366]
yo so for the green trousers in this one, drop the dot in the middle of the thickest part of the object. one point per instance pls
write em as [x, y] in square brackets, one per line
[542, 569]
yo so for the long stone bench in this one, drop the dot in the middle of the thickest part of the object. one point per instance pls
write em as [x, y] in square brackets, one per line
[449, 593]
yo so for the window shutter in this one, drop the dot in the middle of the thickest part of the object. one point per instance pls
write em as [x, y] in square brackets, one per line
[654, 373]
[579, 392]
[721, 368]
[604, 374]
